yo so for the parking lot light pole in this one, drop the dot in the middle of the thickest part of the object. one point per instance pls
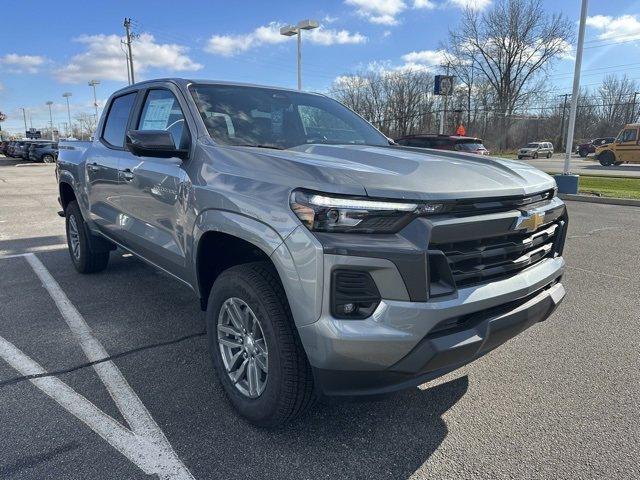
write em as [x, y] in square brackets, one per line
[568, 183]
[290, 30]
[67, 95]
[93, 84]
[49, 103]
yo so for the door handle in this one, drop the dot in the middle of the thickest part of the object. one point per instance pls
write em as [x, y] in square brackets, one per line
[127, 174]
[93, 167]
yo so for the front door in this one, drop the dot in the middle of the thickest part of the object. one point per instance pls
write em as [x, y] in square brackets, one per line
[154, 189]
[102, 167]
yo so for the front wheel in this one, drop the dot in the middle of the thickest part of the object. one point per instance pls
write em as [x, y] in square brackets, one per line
[549, 155]
[534, 156]
[255, 348]
[48, 159]
[86, 253]
[607, 158]
[583, 153]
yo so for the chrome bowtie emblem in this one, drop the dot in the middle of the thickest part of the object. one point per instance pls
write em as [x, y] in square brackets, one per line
[529, 221]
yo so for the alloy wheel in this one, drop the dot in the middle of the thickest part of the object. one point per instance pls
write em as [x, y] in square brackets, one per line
[74, 237]
[243, 347]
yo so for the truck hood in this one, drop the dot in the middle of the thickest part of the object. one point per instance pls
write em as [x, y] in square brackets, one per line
[409, 173]
[389, 172]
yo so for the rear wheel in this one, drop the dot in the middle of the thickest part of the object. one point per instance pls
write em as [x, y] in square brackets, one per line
[535, 155]
[48, 159]
[87, 252]
[549, 155]
[607, 158]
[255, 348]
[583, 153]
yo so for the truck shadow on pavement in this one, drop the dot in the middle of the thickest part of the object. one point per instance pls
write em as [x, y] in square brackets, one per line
[388, 436]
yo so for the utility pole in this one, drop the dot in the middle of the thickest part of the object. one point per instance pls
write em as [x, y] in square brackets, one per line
[564, 106]
[633, 108]
[127, 28]
[24, 117]
[568, 183]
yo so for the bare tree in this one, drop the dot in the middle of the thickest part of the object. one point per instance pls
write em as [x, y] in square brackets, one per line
[509, 46]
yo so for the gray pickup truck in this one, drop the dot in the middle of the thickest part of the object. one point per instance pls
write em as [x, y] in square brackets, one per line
[329, 260]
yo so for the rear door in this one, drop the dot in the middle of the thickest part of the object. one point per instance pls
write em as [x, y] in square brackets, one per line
[102, 166]
[154, 189]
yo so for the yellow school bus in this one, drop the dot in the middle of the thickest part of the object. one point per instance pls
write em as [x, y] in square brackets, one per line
[625, 149]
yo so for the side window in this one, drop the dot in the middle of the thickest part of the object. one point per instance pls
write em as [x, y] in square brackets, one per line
[115, 125]
[161, 111]
[630, 135]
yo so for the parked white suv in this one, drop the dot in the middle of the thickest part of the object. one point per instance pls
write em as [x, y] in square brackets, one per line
[535, 150]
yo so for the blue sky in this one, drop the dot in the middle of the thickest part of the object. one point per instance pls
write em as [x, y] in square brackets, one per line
[47, 51]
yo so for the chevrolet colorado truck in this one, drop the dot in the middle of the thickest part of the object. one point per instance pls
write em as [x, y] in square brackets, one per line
[329, 261]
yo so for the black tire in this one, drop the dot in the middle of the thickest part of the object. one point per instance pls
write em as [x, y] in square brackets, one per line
[607, 158]
[289, 390]
[583, 153]
[48, 159]
[91, 256]
[519, 157]
[549, 155]
[534, 156]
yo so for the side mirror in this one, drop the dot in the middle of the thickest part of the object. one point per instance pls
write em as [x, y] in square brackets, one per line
[153, 143]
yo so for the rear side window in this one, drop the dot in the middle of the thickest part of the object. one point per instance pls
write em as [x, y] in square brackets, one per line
[115, 125]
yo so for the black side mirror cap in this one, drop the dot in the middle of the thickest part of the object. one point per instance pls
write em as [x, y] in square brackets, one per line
[153, 143]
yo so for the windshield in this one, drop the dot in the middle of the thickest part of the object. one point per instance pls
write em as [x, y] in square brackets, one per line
[470, 146]
[255, 116]
[532, 145]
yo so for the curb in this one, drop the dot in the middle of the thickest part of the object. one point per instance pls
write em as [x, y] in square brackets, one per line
[629, 202]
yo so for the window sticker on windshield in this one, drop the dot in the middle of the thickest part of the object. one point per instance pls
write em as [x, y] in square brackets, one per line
[157, 114]
[277, 119]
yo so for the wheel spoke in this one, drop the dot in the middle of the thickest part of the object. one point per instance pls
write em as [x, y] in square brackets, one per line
[237, 375]
[230, 342]
[261, 360]
[236, 315]
[229, 330]
[234, 360]
[252, 377]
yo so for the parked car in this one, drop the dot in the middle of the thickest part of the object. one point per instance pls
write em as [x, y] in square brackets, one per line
[45, 152]
[536, 150]
[444, 142]
[625, 148]
[9, 149]
[17, 149]
[585, 149]
[328, 260]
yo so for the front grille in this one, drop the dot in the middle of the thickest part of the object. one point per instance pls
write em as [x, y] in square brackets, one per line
[477, 261]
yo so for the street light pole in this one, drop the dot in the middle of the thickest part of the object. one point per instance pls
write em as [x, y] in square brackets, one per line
[24, 117]
[49, 103]
[93, 84]
[67, 95]
[568, 183]
[289, 31]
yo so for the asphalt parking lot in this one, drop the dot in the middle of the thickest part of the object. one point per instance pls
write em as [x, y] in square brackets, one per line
[583, 166]
[559, 401]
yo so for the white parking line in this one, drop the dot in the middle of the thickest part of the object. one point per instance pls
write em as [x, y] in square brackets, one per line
[145, 444]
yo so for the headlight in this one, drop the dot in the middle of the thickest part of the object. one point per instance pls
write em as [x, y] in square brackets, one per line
[332, 213]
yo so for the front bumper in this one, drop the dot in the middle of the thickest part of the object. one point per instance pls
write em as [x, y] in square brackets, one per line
[395, 349]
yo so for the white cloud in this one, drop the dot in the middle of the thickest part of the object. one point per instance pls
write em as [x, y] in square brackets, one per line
[229, 45]
[472, 4]
[425, 57]
[105, 60]
[426, 4]
[382, 12]
[622, 28]
[15, 63]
